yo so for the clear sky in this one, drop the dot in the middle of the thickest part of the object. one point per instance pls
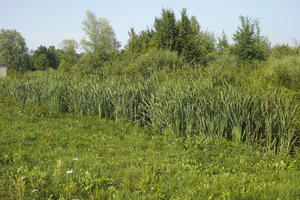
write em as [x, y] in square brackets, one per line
[48, 22]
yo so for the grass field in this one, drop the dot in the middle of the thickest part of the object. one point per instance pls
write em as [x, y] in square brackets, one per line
[62, 156]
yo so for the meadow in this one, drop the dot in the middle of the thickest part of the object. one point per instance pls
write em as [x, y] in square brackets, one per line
[48, 155]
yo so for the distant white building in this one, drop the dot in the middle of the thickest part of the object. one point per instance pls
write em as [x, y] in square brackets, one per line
[3, 70]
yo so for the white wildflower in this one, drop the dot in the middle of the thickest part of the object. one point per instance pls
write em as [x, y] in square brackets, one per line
[70, 172]
[75, 159]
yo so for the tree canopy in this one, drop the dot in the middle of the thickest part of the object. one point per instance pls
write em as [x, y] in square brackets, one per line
[13, 50]
[99, 33]
[183, 36]
[68, 56]
[101, 44]
[166, 30]
[46, 56]
[249, 44]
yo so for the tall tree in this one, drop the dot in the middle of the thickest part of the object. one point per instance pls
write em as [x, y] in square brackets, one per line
[249, 44]
[13, 50]
[101, 44]
[166, 30]
[193, 44]
[185, 36]
[99, 33]
[195, 26]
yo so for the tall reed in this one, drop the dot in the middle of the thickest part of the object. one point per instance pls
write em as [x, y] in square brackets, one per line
[239, 112]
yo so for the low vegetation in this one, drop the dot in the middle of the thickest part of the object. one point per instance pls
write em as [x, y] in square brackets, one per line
[199, 105]
[63, 156]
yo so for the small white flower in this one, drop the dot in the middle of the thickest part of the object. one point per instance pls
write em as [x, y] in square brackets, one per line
[75, 159]
[34, 190]
[152, 188]
[70, 172]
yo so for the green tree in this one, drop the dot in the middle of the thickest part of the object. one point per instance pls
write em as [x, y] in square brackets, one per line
[142, 42]
[13, 50]
[249, 44]
[68, 57]
[99, 33]
[98, 58]
[41, 62]
[166, 30]
[206, 47]
[101, 44]
[193, 44]
[185, 37]
[52, 54]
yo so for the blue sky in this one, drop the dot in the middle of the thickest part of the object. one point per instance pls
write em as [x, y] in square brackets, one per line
[48, 22]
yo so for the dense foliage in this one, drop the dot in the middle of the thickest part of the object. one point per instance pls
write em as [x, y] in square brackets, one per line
[183, 36]
[44, 58]
[13, 50]
[249, 44]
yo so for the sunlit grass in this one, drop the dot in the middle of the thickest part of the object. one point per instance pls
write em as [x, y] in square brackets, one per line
[65, 156]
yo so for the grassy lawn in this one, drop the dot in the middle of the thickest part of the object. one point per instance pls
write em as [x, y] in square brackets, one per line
[62, 156]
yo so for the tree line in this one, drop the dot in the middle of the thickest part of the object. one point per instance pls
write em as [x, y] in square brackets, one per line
[182, 36]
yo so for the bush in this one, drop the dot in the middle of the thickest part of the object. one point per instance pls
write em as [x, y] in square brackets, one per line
[284, 72]
[156, 60]
[281, 51]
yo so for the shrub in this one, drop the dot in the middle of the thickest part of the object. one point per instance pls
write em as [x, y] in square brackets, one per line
[284, 72]
[281, 51]
[156, 60]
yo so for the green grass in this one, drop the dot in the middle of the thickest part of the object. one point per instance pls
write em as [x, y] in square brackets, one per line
[63, 156]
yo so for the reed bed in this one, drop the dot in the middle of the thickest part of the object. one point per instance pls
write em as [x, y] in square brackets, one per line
[241, 112]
